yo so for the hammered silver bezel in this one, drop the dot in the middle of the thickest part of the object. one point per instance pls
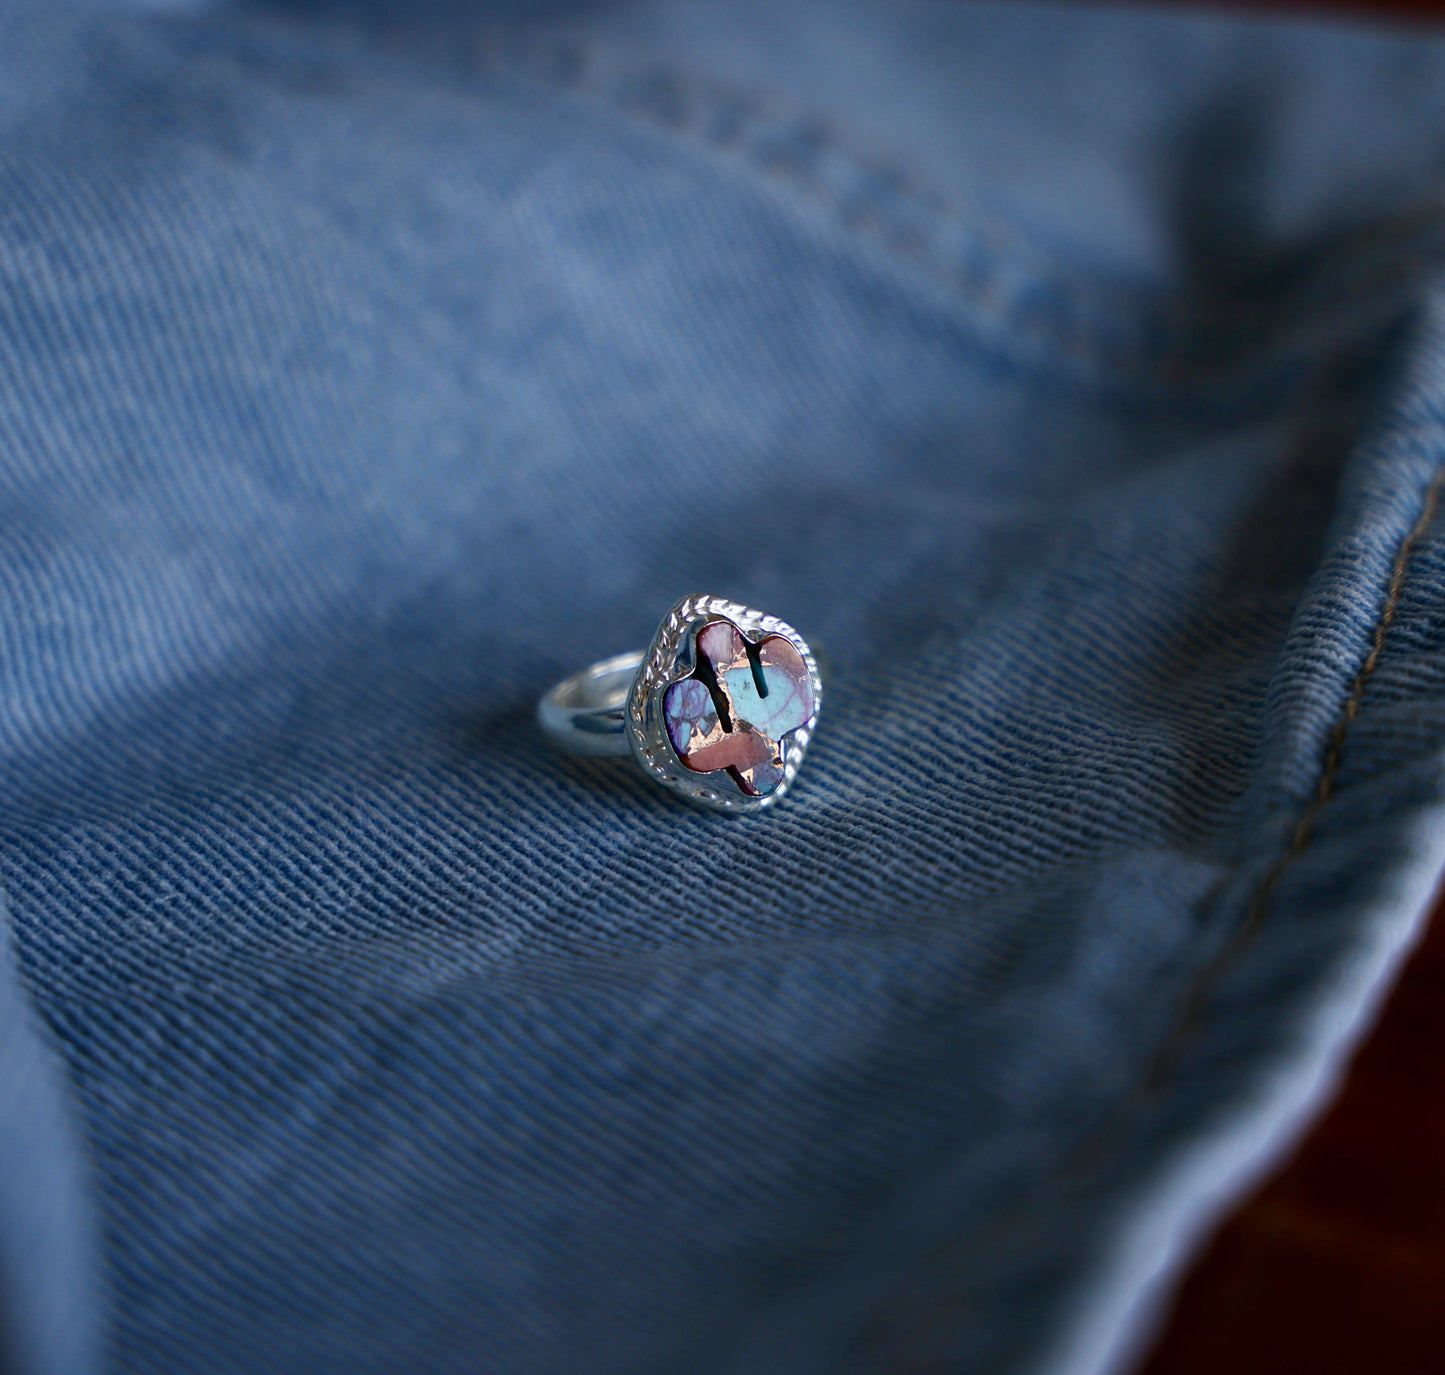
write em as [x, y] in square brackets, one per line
[668, 660]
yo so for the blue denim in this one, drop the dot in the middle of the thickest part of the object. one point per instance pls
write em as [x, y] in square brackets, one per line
[1074, 377]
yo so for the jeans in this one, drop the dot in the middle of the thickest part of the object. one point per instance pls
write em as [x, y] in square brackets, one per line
[1073, 377]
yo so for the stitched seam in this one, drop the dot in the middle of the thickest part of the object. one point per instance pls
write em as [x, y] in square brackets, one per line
[1198, 996]
[891, 1312]
[1127, 331]
[1305, 829]
[897, 210]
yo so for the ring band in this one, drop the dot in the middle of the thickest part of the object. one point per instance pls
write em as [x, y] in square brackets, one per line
[587, 713]
[720, 707]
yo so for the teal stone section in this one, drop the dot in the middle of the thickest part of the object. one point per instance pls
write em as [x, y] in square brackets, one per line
[787, 705]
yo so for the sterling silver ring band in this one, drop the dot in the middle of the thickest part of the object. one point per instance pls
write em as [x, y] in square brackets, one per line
[719, 709]
[587, 713]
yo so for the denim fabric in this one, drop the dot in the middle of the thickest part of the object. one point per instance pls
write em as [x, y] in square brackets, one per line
[1073, 377]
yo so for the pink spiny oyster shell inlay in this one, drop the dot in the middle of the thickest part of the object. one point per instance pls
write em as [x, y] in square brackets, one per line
[740, 701]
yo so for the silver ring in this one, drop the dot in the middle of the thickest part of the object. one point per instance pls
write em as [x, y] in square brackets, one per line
[720, 708]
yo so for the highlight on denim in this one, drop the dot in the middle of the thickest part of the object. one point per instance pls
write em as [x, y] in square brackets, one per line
[1074, 375]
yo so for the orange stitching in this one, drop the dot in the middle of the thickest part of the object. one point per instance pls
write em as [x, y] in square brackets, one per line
[898, 1311]
[1305, 829]
[1200, 992]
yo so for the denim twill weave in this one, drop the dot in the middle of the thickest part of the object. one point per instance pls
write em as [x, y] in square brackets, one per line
[1074, 377]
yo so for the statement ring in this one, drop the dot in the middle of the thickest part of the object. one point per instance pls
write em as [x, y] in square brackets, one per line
[720, 708]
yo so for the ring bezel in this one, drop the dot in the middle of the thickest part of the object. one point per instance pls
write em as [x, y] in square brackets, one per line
[670, 658]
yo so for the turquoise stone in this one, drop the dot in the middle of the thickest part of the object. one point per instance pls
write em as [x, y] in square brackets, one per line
[740, 701]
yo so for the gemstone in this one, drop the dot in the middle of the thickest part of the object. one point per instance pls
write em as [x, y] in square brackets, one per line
[739, 702]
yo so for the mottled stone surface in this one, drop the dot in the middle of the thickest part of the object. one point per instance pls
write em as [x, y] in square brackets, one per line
[740, 701]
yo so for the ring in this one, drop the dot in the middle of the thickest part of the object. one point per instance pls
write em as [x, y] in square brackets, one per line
[720, 708]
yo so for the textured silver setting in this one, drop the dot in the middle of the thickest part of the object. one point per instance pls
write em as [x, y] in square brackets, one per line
[669, 659]
[615, 706]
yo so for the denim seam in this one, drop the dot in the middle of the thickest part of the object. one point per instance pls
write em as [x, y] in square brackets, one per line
[1128, 332]
[1199, 994]
[1155, 342]
[1100, 1145]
